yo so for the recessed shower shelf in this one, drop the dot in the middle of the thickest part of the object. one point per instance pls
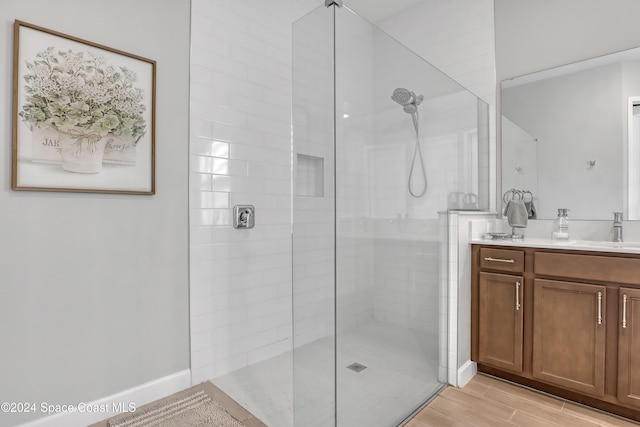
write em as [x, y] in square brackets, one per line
[310, 176]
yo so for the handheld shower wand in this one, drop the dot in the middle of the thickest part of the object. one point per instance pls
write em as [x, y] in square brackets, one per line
[410, 102]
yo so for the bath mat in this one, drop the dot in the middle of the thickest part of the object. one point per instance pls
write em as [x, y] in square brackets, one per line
[190, 408]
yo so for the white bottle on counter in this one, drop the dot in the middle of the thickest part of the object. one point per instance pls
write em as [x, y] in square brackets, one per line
[561, 226]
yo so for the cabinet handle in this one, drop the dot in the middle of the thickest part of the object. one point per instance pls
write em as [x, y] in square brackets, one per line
[624, 311]
[599, 308]
[518, 295]
[509, 261]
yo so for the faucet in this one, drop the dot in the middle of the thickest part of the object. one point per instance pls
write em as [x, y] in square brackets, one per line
[617, 226]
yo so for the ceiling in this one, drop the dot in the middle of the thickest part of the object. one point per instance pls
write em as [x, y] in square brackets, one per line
[378, 10]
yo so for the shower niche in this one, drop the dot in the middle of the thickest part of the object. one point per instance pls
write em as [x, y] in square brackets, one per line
[309, 176]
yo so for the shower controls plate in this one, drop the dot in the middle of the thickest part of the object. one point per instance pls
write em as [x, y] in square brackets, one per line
[244, 216]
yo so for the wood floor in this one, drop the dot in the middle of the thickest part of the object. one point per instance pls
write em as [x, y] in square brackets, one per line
[483, 402]
[489, 402]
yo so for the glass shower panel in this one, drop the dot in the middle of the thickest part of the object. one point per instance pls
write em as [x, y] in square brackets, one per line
[370, 259]
[391, 301]
[313, 220]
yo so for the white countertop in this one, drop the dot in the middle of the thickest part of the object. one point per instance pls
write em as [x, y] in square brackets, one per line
[578, 245]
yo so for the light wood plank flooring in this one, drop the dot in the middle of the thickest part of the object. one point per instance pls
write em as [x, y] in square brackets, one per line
[490, 402]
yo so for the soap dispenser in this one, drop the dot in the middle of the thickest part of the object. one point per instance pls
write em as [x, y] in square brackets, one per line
[561, 226]
[617, 226]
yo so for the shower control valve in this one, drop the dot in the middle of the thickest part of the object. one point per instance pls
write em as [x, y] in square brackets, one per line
[244, 216]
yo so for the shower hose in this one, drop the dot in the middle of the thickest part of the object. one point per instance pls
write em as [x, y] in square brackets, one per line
[417, 155]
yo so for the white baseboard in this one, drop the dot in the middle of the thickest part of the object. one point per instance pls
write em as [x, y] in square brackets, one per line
[101, 409]
[466, 372]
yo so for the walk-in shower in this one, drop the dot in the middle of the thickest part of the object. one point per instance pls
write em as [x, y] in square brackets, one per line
[410, 102]
[367, 294]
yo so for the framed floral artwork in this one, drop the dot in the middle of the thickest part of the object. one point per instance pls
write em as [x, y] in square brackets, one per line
[83, 115]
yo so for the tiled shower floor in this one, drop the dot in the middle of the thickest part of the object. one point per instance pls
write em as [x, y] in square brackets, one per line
[401, 373]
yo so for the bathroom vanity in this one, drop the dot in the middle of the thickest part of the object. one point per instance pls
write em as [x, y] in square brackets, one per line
[561, 318]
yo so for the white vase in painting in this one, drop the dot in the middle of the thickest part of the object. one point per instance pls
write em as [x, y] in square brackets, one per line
[82, 150]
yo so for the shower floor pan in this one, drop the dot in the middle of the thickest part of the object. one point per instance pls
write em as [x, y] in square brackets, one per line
[391, 387]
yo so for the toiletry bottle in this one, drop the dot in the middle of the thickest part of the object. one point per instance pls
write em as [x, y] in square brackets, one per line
[561, 226]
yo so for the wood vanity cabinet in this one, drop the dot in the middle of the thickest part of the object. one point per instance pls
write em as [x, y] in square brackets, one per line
[500, 321]
[629, 347]
[500, 309]
[569, 335]
[564, 322]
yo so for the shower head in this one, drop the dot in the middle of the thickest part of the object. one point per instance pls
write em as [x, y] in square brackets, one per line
[407, 99]
[403, 96]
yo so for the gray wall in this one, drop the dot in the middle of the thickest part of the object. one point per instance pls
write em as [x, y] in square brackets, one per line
[94, 287]
[536, 35]
[561, 114]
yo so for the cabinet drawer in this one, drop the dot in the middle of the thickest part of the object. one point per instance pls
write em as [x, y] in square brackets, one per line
[510, 260]
[588, 267]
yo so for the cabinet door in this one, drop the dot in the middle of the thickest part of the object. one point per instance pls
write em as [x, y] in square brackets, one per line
[629, 347]
[500, 321]
[569, 335]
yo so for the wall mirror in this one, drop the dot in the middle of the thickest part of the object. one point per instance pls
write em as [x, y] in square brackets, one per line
[571, 136]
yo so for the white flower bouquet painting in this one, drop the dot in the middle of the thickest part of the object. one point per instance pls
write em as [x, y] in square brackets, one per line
[83, 115]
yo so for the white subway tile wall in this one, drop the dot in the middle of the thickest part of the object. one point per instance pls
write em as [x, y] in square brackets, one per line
[460, 227]
[240, 154]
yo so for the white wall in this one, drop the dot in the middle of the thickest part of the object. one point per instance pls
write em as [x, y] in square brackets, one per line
[94, 287]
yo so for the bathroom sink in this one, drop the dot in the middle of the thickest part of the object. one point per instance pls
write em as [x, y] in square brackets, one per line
[605, 244]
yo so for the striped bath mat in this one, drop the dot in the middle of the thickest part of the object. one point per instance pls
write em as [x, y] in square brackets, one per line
[194, 408]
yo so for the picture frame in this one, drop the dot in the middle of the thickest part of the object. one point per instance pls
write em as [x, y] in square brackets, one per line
[83, 115]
